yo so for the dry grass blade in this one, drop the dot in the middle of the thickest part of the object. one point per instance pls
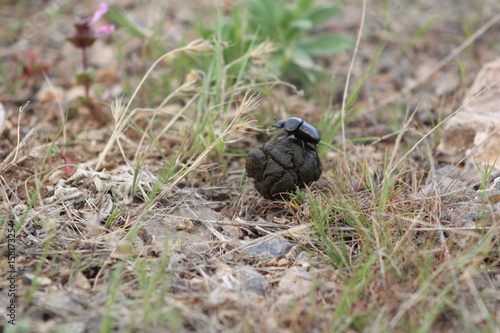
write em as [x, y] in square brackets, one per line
[351, 66]
[13, 155]
[249, 103]
[20, 144]
[122, 114]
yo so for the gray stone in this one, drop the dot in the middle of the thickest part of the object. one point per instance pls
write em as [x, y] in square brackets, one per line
[251, 280]
[273, 248]
[241, 279]
[492, 193]
[296, 283]
[473, 133]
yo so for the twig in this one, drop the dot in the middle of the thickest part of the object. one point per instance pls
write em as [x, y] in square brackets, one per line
[21, 109]
[20, 145]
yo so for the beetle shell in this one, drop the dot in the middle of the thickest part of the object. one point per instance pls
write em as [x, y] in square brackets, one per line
[300, 129]
[307, 132]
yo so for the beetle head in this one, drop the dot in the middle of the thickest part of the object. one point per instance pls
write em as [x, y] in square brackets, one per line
[279, 123]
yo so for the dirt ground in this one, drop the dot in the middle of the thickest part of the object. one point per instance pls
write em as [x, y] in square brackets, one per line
[150, 223]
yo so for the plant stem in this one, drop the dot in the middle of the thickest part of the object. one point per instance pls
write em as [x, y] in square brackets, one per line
[85, 66]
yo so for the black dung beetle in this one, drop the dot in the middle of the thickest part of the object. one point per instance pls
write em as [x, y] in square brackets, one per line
[300, 129]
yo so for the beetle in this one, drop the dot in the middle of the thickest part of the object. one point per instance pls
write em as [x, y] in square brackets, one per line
[302, 130]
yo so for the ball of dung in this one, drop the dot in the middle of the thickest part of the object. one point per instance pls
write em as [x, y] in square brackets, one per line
[281, 166]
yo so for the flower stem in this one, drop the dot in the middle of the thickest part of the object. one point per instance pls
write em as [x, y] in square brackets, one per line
[85, 66]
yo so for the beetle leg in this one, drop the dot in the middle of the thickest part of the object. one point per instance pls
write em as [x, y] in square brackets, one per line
[283, 138]
[312, 146]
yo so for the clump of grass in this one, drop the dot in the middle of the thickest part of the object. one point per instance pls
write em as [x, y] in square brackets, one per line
[382, 237]
[290, 27]
[211, 94]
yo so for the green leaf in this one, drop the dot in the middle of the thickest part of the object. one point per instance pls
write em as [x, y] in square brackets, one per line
[322, 14]
[86, 77]
[302, 24]
[302, 58]
[325, 44]
[266, 14]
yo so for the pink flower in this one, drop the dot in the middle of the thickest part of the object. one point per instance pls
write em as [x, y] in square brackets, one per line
[103, 8]
[105, 30]
[85, 35]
